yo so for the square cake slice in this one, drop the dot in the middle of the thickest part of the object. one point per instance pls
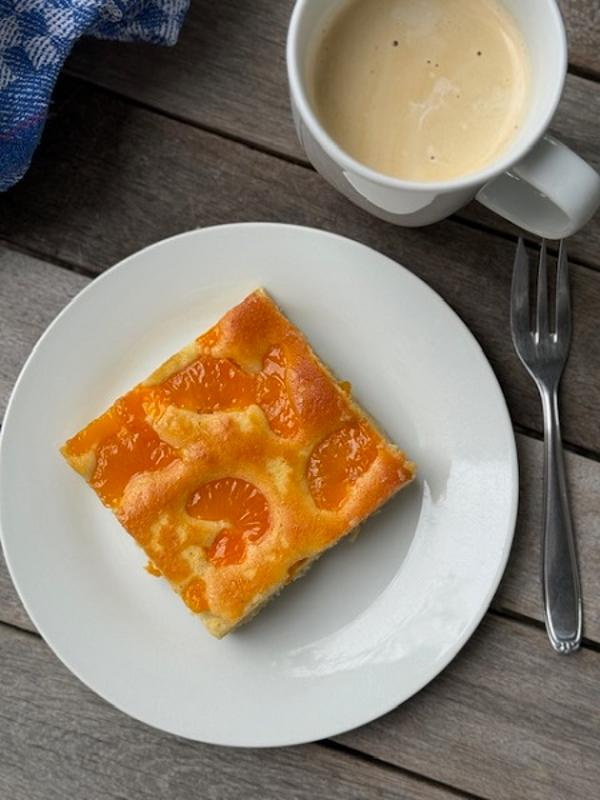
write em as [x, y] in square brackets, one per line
[238, 463]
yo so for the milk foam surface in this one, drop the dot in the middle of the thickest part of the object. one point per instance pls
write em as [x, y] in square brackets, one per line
[423, 90]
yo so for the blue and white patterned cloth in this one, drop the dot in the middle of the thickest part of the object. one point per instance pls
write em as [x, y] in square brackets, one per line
[36, 36]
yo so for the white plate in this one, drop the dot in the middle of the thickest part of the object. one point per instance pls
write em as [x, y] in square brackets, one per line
[375, 619]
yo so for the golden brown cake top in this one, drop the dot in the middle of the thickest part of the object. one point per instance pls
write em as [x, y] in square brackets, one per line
[238, 461]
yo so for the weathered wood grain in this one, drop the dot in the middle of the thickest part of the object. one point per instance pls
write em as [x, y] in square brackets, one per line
[33, 292]
[227, 73]
[128, 177]
[507, 720]
[582, 18]
[520, 590]
[31, 295]
[228, 69]
[58, 740]
[11, 608]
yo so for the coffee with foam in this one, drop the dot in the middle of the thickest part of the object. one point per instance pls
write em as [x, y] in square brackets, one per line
[423, 90]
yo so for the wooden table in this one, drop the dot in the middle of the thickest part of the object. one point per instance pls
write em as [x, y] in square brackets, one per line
[144, 142]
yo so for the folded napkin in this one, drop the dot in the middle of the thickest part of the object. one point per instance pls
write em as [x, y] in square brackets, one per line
[36, 36]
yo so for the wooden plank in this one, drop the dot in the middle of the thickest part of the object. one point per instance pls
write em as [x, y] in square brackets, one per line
[228, 74]
[11, 608]
[520, 590]
[31, 295]
[59, 740]
[130, 177]
[507, 720]
[34, 292]
[228, 69]
[582, 18]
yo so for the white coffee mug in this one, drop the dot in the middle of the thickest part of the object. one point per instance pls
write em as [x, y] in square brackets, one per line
[537, 182]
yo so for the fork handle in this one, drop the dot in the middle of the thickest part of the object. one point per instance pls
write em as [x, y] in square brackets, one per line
[562, 591]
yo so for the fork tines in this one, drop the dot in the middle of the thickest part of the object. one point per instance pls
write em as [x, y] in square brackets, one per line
[539, 329]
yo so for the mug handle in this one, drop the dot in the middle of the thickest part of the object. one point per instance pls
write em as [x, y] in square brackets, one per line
[552, 192]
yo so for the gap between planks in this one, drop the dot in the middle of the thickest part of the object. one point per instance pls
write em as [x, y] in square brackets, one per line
[254, 146]
[360, 757]
[367, 758]
[570, 447]
[523, 619]
[180, 119]
[584, 72]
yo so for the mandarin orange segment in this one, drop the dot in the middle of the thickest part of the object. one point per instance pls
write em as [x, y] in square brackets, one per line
[243, 510]
[97, 431]
[273, 396]
[338, 461]
[125, 446]
[208, 384]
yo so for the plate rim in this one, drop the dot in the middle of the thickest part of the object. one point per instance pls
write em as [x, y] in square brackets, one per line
[452, 651]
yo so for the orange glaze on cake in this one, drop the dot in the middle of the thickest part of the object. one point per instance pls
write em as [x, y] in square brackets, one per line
[241, 506]
[124, 443]
[338, 461]
[237, 463]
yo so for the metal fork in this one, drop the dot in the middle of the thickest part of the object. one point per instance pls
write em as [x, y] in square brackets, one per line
[544, 352]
